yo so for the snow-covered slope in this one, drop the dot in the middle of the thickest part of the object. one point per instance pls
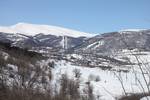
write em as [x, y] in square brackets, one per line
[108, 87]
[33, 29]
[115, 41]
[132, 30]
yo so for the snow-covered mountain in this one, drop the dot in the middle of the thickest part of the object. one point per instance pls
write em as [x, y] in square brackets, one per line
[94, 67]
[40, 40]
[33, 29]
[30, 35]
[101, 72]
[132, 30]
[115, 41]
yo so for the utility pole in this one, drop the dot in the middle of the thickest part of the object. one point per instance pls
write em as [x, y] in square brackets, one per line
[64, 43]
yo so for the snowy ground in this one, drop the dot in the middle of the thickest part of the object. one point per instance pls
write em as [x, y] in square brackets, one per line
[109, 87]
[145, 98]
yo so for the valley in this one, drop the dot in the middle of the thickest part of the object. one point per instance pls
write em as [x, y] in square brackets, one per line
[114, 64]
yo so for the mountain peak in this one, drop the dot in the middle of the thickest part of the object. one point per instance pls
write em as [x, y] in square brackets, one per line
[34, 29]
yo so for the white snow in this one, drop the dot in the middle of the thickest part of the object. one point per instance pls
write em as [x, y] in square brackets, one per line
[95, 45]
[109, 86]
[77, 56]
[132, 30]
[15, 68]
[146, 98]
[33, 29]
[5, 55]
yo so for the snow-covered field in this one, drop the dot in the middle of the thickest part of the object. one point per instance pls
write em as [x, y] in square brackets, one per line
[109, 86]
[145, 98]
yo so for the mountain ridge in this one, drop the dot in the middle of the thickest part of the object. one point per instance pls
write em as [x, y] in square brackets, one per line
[34, 29]
[100, 43]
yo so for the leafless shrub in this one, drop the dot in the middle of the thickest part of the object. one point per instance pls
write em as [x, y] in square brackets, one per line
[141, 66]
[89, 92]
[93, 78]
[51, 64]
[69, 88]
[77, 73]
[97, 78]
